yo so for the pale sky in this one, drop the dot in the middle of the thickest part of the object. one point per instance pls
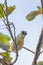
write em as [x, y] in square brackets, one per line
[33, 28]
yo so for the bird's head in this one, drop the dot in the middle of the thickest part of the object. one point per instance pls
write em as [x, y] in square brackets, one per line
[24, 33]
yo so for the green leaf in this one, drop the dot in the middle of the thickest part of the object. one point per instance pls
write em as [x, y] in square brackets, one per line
[4, 41]
[11, 9]
[1, 12]
[6, 56]
[33, 14]
[3, 7]
[3, 35]
[40, 63]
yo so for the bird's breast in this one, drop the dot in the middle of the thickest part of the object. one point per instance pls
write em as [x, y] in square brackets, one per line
[20, 44]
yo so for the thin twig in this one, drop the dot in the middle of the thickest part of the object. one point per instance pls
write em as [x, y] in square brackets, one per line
[29, 50]
[15, 43]
[3, 62]
[9, 29]
[32, 51]
[41, 52]
[11, 32]
[38, 48]
[4, 28]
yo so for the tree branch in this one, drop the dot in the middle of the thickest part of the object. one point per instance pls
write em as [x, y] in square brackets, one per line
[3, 62]
[38, 49]
[41, 52]
[9, 29]
[29, 50]
[42, 6]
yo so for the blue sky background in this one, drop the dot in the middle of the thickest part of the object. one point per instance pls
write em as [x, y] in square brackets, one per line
[23, 7]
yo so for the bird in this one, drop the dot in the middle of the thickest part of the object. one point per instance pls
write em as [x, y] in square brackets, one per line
[19, 41]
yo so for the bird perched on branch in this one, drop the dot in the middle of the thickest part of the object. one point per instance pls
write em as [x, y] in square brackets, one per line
[19, 41]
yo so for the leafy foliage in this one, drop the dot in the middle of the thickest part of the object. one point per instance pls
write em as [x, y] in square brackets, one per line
[40, 63]
[4, 44]
[0, 64]
[33, 14]
[3, 8]
[6, 56]
[4, 41]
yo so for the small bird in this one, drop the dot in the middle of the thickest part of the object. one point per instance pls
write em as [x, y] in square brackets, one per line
[19, 41]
